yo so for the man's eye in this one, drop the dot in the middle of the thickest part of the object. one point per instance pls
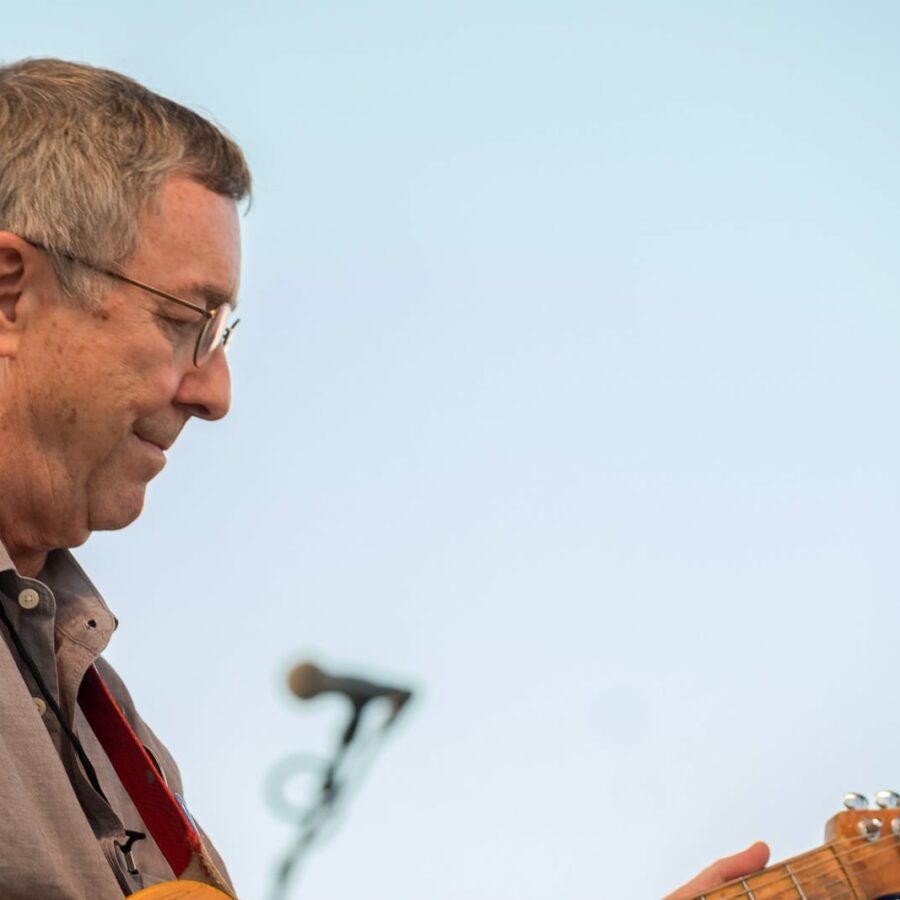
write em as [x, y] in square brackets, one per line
[175, 325]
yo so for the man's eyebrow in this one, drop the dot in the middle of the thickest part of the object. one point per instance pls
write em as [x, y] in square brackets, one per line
[208, 295]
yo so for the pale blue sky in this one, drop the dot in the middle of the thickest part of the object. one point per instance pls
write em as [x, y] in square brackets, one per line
[566, 389]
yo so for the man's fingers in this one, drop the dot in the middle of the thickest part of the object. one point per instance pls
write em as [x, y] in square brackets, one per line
[750, 860]
[722, 870]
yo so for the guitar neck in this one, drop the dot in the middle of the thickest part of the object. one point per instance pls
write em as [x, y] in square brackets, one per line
[850, 867]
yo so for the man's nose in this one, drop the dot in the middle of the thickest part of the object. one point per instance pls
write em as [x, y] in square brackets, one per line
[205, 391]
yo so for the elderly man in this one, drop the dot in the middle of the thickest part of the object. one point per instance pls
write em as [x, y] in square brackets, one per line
[119, 269]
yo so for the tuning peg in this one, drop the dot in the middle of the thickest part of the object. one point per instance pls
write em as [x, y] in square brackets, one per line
[855, 801]
[887, 799]
[870, 829]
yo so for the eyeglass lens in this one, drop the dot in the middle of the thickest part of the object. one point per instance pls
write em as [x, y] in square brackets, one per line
[214, 329]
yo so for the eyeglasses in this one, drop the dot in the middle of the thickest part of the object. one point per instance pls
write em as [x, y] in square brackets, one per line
[216, 330]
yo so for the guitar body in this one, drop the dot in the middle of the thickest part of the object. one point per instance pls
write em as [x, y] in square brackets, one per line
[180, 890]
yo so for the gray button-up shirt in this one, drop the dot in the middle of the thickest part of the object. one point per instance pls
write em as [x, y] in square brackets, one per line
[58, 837]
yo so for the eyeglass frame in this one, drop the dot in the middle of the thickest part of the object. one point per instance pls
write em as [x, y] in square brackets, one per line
[210, 314]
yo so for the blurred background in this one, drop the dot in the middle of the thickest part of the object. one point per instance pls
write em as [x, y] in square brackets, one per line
[566, 392]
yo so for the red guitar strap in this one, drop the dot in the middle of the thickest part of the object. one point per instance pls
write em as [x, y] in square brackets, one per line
[175, 834]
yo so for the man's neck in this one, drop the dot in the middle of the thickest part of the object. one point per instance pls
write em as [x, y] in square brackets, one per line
[29, 563]
[32, 520]
[28, 558]
[20, 539]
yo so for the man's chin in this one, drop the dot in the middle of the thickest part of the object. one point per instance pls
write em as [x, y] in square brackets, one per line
[117, 511]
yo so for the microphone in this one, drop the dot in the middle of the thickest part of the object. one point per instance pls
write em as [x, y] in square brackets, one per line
[307, 680]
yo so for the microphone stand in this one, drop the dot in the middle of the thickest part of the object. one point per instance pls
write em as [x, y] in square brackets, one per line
[324, 806]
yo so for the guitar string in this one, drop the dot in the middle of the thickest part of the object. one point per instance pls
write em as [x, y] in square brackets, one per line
[836, 857]
[888, 842]
[886, 865]
[842, 883]
[860, 843]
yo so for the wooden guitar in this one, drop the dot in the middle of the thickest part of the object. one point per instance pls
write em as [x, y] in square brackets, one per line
[860, 860]
[181, 890]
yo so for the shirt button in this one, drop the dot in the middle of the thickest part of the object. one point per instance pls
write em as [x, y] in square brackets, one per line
[40, 705]
[29, 598]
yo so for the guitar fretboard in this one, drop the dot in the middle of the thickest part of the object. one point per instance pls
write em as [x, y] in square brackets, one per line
[847, 869]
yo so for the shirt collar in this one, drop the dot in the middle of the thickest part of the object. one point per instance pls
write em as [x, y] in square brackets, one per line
[64, 576]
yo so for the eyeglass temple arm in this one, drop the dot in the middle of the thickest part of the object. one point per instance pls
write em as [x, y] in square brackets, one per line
[112, 273]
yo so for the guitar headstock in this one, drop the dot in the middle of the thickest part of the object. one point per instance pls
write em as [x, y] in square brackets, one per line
[861, 821]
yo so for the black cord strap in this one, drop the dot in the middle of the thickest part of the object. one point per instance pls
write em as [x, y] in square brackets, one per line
[25, 656]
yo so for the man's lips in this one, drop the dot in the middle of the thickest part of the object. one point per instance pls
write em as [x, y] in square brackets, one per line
[161, 445]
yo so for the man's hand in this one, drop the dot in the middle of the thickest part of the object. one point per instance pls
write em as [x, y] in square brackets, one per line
[723, 870]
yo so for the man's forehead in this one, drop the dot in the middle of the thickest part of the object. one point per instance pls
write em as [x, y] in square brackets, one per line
[193, 235]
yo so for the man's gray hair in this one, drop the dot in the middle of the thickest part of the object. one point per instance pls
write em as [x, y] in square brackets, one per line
[84, 150]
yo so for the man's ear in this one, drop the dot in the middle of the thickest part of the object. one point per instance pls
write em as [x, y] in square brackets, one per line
[18, 266]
